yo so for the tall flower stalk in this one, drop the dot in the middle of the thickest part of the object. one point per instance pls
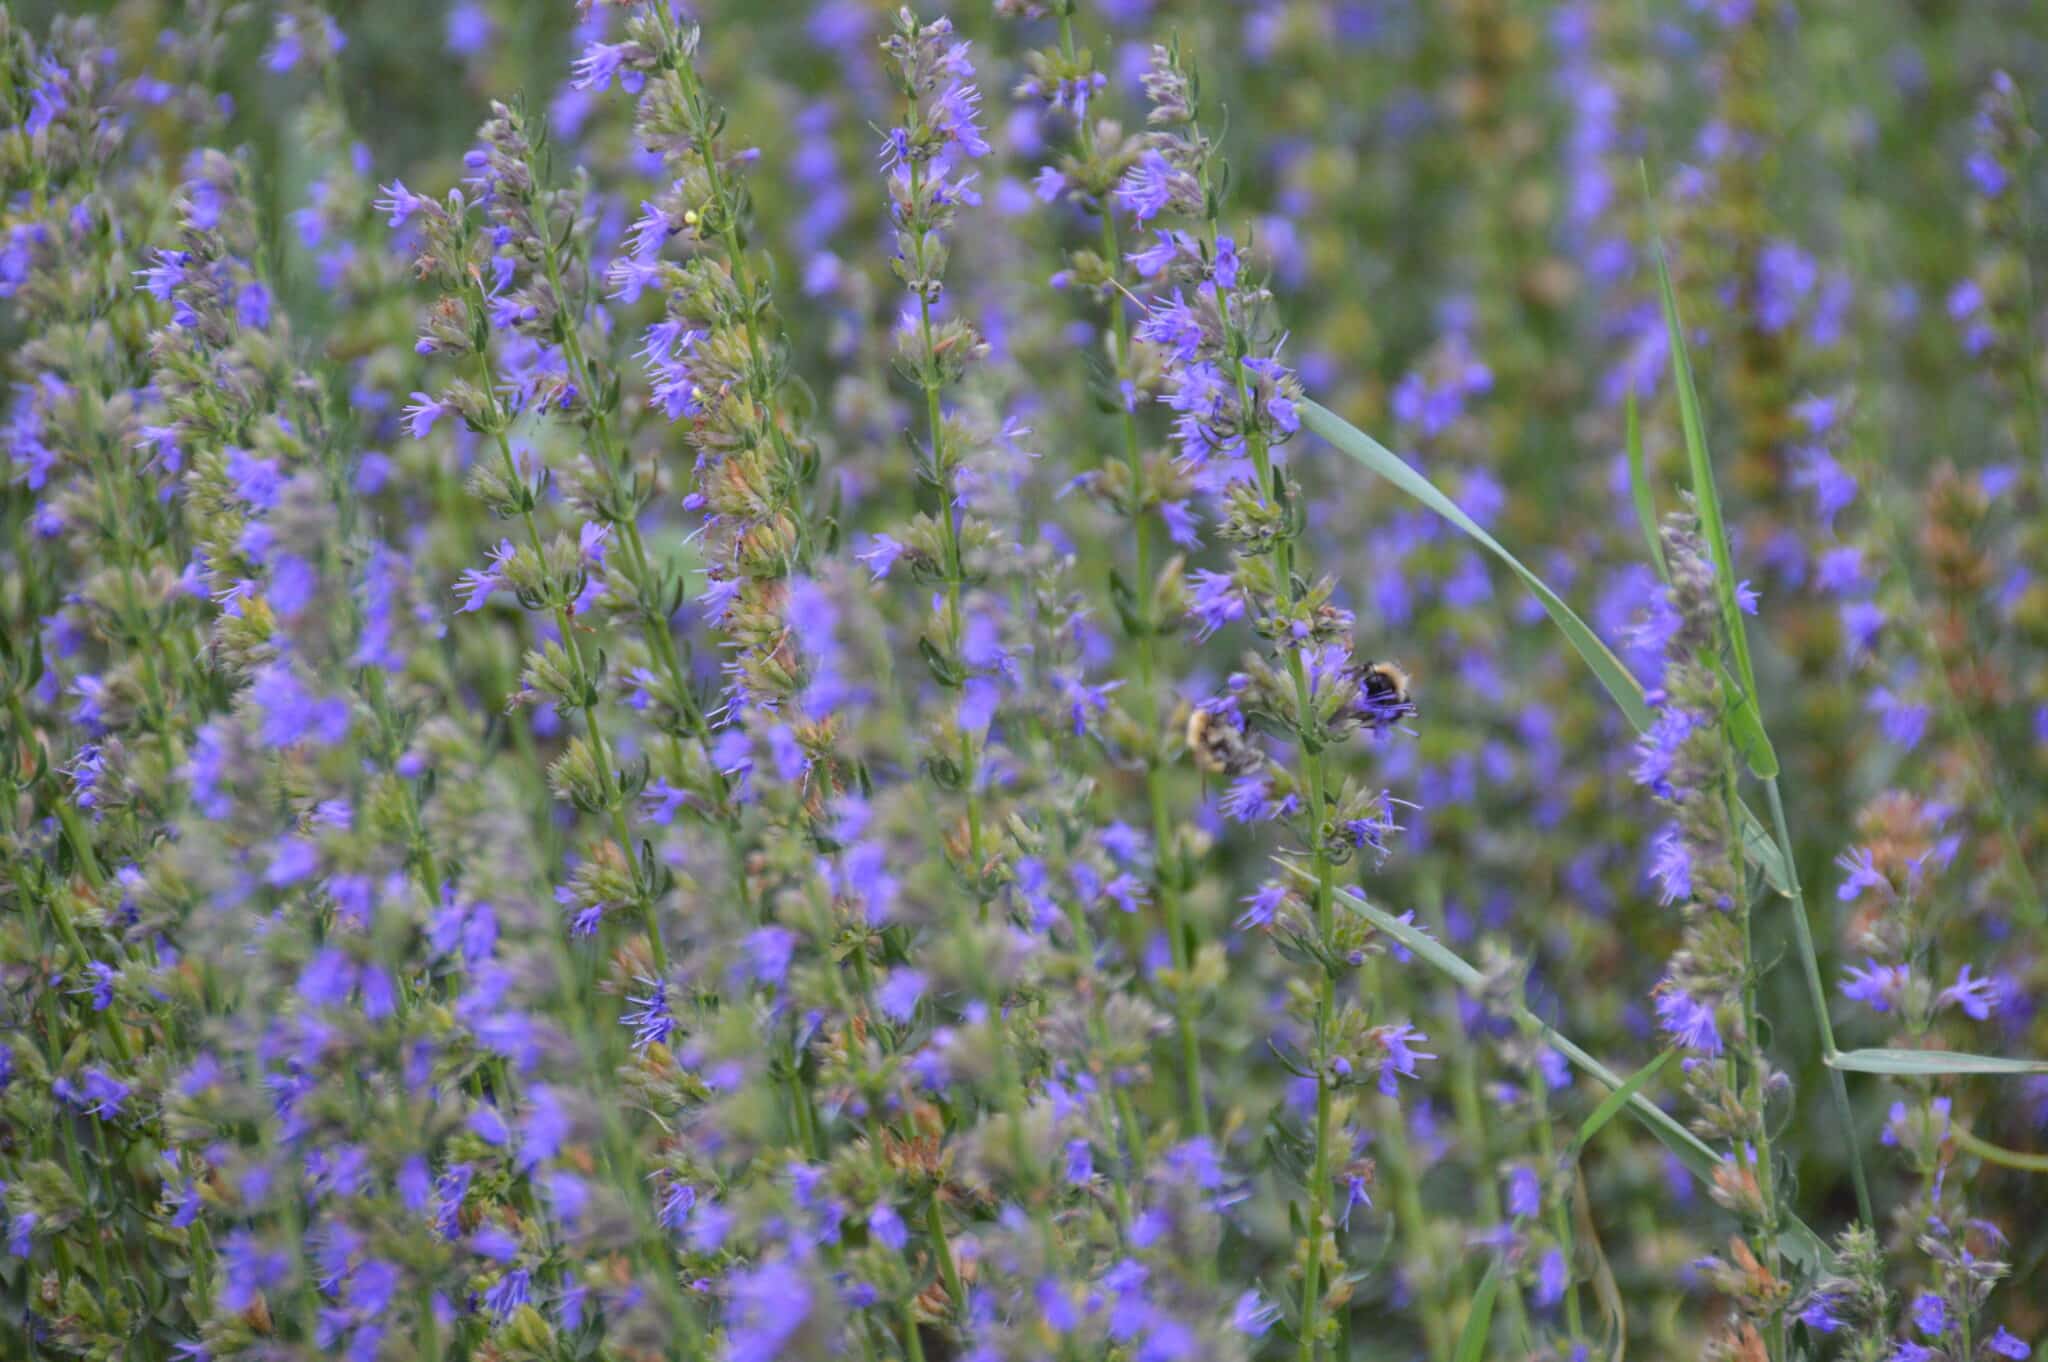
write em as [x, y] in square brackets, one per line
[1308, 686]
[926, 160]
[1146, 491]
[1707, 1001]
[553, 578]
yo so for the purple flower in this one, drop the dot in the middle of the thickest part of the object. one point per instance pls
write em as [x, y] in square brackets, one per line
[1785, 278]
[1080, 1162]
[1253, 1315]
[1880, 986]
[512, 1290]
[1986, 175]
[1687, 1020]
[1819, 1314]
[887, 1227]
[1249, 799]
[1173, 324]
[1671, 864]
[880, 555]
[328, 978]
[678, 1199]
[1182, 526]
[765, 1306]
[101, 986]
[1224, 269]
[248, 1269]
[899, 994]
[1400, 1057]
[292, 714]
[1525, 1192]
[768, 951]
[1862, 621]
[1551, 1278]
[476, 584]
[2004, 1344]
[1903, 722]
[1146, 187]
[469, 29]
[163, 278]
[1977, 997]
[954, 117]
[292, 860]
[1214, 600]
[1832, 486]
[423, 413]
[1861, 865]
[649, 1016]
[601, 63]
[1151, 261]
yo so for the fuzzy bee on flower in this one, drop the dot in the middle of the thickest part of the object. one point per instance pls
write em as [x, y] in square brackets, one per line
[1219, 744]
[1384, 694]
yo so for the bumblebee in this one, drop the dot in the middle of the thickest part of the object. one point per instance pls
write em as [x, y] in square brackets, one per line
[1219, 746]
[1383, 694]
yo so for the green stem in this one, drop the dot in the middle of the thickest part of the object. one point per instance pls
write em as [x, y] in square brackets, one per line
[1998, 1154]
[1560, 1221]
[1817, 1003]
[911, 1342]
[1126, 1126]
[1316, 778]
[942, 472]
[1414, 1223]
[1756, 1060]
[935, 1226]
[1478, 1137]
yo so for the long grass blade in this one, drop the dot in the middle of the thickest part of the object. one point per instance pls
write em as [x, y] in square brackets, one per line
[1746, 722]
[1614, 677]
[1798, 1240]
[1610, 1106]
[1612, 674]
[1479, 1319]
[1998, 1153]
[1932, 1063]
[1605, 1289]
[1639, 487]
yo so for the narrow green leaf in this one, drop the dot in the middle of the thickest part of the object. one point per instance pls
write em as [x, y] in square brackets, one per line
[1605, 1289]
[1615, 678]
[1611, 1105]
[1999, 1154]
[1764, 853]
[1639, 484]
[1479, 1319]
[1798, 1241]
[1932, 1063]
[1748, 728]
[1606, 667]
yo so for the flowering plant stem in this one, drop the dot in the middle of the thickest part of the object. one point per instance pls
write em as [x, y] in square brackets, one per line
[1272, 489]
[648, 591]
[566, 627]
[955, 573]
[1817, 1004]
[1144, 632]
